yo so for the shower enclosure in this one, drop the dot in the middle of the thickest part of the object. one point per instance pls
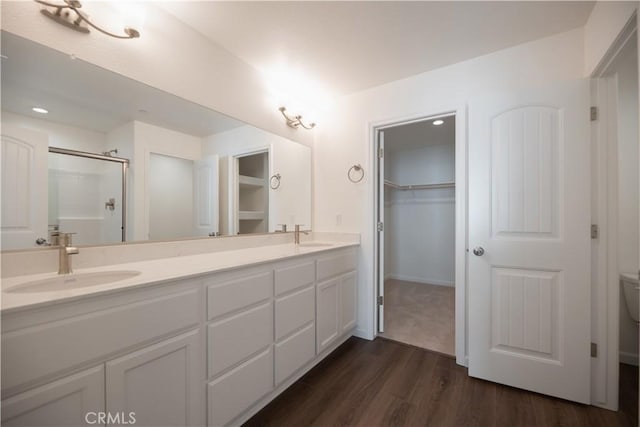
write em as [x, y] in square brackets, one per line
[87, 196]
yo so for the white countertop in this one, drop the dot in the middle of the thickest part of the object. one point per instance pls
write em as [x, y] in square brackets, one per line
[157, 271]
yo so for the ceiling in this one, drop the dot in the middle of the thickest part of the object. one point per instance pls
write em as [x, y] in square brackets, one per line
[351, 46]
[419, 134]
[83, 95]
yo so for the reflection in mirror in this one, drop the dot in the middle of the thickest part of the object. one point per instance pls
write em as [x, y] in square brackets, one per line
[85, 195]
[192, 171]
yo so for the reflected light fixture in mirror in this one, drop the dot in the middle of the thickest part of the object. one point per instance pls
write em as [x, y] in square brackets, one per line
[68, 13]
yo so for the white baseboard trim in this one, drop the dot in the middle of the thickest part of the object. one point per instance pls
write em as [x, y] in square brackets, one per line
[628, 358]
[419, 280]
[364, 334]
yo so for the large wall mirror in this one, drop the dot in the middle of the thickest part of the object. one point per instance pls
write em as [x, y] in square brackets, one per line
[114, 159]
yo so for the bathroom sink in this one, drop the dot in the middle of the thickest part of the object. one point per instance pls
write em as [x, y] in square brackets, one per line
[73, 281]
[315, 245]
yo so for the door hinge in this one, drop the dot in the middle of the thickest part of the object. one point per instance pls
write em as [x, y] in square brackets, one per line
[594, 349]
[380, 226]
[380, 153]
[380, 299]
[593, 113]
[594, 231]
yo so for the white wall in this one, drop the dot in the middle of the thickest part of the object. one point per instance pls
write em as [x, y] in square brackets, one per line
[169, 55]
[345, 139]
[136, 141]
[291, 203]
[61, 136]
[170, 197]
[420, 224]
[626, 72]
[154, 139]
[605, 23]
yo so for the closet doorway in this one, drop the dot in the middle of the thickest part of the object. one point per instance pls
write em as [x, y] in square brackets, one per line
[417, 233]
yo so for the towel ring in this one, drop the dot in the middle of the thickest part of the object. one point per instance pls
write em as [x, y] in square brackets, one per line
[355, 168]
[274, 181]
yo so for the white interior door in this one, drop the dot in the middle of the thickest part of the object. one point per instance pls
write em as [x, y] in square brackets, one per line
[380, 253]
[529, 211]
[205, 193]
[25, 193]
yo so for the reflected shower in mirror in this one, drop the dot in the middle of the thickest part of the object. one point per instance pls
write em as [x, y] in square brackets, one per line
[192, 171]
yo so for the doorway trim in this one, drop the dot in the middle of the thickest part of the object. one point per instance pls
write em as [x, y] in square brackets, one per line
[605, 281]
[461, 217]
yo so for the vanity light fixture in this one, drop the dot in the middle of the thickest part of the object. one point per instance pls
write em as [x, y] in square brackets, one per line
[62, 14]
[40, 110]
[438, 122]
[296, 121]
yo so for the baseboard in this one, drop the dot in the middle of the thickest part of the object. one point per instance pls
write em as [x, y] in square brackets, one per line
[419, 280]
[628, 358]
[364, 334]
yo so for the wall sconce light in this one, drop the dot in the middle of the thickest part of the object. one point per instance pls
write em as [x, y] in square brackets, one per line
[296, 121]
[62, 14]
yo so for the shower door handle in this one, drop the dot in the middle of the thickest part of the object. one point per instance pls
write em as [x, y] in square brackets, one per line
[478, 251]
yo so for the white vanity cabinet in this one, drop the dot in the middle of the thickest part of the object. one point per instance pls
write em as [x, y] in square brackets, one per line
[159, 383]
[137, 351]
[70, 401]
[239, 341]
[295, 316]
[336, 311]
[210, 350]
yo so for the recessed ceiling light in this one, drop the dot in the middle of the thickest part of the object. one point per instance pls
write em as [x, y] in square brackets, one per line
[40, 110]
[438, 122]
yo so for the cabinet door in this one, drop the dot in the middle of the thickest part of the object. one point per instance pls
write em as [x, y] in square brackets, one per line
[71, 401]
[327, 312]
[348, 302]
[159, 384]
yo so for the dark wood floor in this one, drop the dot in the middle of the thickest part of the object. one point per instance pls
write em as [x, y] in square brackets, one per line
[384, 383]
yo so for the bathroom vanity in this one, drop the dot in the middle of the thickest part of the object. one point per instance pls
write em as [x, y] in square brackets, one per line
[204, 339]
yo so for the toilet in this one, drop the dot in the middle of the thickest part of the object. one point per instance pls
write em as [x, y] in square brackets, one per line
[631, 291]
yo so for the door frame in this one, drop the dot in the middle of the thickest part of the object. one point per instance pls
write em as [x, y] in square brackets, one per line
[461, 220]
[232, 182]
[605, 279]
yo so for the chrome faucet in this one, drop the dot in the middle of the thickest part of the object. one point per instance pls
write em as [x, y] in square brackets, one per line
[66, 250]
[296, 234]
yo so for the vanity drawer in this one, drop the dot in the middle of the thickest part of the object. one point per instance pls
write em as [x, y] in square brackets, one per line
[294, 277]
[335, 265]
[233, 339]
[236, 391]
[44, 349]
[295, 352]
[234, 294]
[295, 310]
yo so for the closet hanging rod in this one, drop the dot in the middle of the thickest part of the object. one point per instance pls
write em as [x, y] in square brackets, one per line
[419, 186]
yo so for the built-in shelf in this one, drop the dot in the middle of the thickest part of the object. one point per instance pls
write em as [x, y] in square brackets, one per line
[395, 186]
[250, 181]
[250, 215]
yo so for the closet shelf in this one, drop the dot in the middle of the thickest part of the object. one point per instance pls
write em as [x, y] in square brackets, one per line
[250, 181]
[395, 186]
[251, 215]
